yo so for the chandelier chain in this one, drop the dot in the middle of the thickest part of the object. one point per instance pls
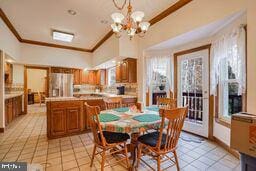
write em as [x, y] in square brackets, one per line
[119, 7]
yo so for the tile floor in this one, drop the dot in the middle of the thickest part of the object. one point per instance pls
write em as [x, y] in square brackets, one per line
[25, 141]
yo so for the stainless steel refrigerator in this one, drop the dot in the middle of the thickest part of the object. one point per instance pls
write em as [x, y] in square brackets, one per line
[61, 85]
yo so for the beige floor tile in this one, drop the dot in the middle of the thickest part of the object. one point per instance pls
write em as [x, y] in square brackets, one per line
[54, 161]
[81, 155]
[87, 168]
[54, 155]
[68, 158]
[54, 168]
[69, 165]
[83, 161]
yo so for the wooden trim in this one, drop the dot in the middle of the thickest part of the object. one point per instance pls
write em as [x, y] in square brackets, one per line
[16, 34]
[9, 24]
[154, 20]
[108, 35]
[169, 11]
[54, 45]
[211, 98]
[26, 67]
[1, 130]
[227, 148]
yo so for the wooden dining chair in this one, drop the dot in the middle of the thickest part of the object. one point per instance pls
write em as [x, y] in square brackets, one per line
[112, 142]
[113, 102]
[158, 144]
[166, 103]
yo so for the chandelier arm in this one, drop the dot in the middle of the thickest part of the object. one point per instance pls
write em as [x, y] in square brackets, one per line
[122, 6]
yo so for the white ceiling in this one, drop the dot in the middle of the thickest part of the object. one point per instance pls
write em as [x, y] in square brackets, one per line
[198, 34]
[34, 19]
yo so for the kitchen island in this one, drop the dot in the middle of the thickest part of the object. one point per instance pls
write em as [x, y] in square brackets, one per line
[67, 115]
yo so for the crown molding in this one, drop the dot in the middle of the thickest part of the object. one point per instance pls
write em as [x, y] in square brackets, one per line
[153, 21]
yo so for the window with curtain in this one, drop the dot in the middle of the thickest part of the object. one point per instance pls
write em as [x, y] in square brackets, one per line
[228, 72]
[111, 76]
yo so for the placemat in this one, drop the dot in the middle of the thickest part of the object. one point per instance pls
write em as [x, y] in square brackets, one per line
[153, 108]
[121, 109]
[108, 117]
[147, 118]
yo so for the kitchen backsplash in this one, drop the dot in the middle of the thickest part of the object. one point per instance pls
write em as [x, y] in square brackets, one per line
[13, 88]
[130, 88]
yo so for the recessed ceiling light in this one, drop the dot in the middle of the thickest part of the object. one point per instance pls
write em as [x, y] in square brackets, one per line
[113, 61]
[72, 12]
[62, 36]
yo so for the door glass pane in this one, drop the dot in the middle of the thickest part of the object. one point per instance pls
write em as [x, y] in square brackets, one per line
[191, 88]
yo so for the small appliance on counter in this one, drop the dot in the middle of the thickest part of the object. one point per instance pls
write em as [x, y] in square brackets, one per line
[120, 90]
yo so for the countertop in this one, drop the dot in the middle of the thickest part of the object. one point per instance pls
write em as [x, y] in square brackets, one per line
[12, 95]
[104, 95]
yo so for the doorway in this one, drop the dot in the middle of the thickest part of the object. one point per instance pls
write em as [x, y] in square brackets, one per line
[192, 89]
[36, 85]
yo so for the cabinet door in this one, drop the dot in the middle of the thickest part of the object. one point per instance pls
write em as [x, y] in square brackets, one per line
[118, 73]
[73, 119]
[10, 111]
[85, 76]
[6, 113]
[77, 75]
[58, 122]
[124, 72]
[92, 77]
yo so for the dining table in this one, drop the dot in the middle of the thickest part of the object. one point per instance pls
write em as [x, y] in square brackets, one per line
[134, 122]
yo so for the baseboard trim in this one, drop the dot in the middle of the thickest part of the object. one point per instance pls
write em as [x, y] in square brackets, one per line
[1, 130]
[227, 147]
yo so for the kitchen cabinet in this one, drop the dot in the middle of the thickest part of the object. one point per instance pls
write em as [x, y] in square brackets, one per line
[64, 118]
[118, 73]
[101, 77]
[84, 77]
[126, 71]
[8, 73]
[13, 108]
[92, 77]
[61, 70]
[77, 76]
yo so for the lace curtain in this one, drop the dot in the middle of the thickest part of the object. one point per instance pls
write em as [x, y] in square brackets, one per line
[229, 48]
[156, 65]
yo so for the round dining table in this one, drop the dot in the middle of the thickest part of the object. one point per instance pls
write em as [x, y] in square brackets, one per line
[123, 120]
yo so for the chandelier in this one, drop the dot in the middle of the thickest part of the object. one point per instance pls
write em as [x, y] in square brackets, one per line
[131, 23]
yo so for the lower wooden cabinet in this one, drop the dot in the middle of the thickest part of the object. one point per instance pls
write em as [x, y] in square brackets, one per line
[64, 118]
[13, 108]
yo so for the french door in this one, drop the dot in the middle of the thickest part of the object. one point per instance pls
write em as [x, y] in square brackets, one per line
[193, 90]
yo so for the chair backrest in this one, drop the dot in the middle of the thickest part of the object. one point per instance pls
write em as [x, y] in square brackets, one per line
[174, 118]
[166, 103]
[113, 102]
[94, 122]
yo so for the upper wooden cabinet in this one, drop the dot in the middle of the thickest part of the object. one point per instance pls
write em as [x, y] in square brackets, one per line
[8, 73]
[61, 70]
[101, 77]
[84, 77]
[77, 76]
[126, 71]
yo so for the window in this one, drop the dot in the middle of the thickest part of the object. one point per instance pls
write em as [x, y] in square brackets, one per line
[111, 76]
[230, 102]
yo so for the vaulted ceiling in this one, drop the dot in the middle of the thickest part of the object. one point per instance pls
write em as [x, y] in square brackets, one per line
[35, 19]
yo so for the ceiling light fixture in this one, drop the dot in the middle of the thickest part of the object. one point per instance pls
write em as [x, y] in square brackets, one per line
[133, 24]
[72, 12]
[62, 36]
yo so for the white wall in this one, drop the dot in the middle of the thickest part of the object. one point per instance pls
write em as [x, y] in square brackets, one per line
[36, 79]
[8, 42]
[128, 48]
[41, 55]
[18, 74]
[107, 51]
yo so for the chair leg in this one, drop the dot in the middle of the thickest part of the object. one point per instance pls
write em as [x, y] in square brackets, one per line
[93, 155]
[159, 163]
[103, 159]
[176, 159]
[126, 156]
[139, 155]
